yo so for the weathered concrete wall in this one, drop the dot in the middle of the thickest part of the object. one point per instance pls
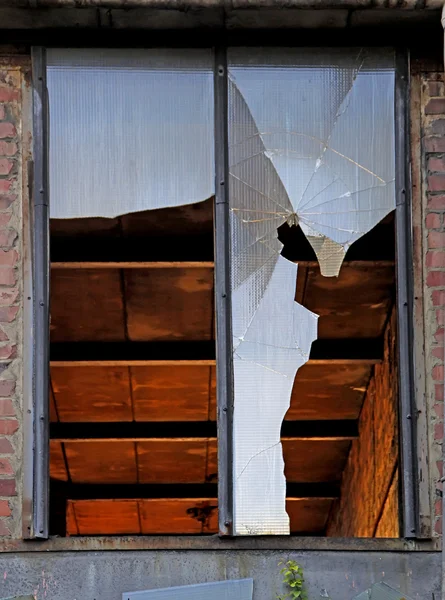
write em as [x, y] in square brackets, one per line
[106, 575]
[366, 507]
[14, 152]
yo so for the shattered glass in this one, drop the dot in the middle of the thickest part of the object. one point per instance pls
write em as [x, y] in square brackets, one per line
[130, 130]
[311, 143]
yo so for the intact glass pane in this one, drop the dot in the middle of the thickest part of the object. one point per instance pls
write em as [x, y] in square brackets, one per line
[311, 144]
[130, 130]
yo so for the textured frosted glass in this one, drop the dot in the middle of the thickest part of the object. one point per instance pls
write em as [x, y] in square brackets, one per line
[130, 130]
[237, 589]
[311, 143]
[381, 591]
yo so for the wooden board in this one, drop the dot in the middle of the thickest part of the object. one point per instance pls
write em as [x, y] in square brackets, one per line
[353, 305]
[172, 461]
[169, 304]
[188, 461]
[314, 461]
[182, 393]
[190, 219]
[53, 416]
[92, 394]
[308, 515]
[328, 391]
[101, 462]
[57, 468]
[185, 516]
[86, 306]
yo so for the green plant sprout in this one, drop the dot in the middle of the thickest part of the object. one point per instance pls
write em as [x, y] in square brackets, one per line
[292, 579]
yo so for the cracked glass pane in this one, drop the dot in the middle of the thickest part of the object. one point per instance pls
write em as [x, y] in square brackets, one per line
[131, 130]
[311, 143]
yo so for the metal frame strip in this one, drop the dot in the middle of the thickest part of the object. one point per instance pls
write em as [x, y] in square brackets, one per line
[405, 296]
[40, 340]
[224, 368]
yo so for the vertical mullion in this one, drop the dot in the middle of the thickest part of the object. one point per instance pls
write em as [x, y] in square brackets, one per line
[407, 413]
[40, 245]
[224, 368]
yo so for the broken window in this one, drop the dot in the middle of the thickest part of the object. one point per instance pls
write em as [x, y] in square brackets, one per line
[313, 305]
[311, 142]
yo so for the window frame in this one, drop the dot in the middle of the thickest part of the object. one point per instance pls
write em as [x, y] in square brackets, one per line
[36, 513]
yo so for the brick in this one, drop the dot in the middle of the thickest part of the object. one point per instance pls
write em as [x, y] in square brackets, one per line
[5, 185]
[436, 239]
[440, 318]
[6, 199]
[5, 510]
[438, 526]
[433, 221]
[435, 163]
[437, 296]
[7, 130]
[439, 335]
[8, 297]
[7, 387]
[4, 530]
[5, 447]
[7, 487]
[439, 465]
[438, 351]
[10, 257]
[433, 279]
[436, 202]
[438, 431]
[437, 373]
[5, 219]
[6, 408]
[438, 127]
[438, 391]
[2, 112]
[6, 351]
[6, 166]
[8, 313]
[434, 144]
[436, 106]
[435, 259]
[8, 275]
[6, 467]
[8, 148]
[8, 237]
[8, 94]
[438, 507]
[8, 427]
[435, 88]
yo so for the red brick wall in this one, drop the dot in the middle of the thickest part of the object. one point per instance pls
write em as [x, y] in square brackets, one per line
[433, 200]
[12, 154]
[368, 504]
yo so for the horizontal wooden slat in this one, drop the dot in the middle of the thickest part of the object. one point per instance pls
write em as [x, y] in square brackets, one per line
[186, 516]
[134, 265]
[356, 264]
[135, 431]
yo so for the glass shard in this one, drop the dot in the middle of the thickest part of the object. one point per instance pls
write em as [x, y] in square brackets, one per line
[236, 589]
[130, 130]
[311, 144]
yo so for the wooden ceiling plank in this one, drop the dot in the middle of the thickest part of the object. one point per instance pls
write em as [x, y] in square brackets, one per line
[97, 462]
[170, 461]
[169, 304]
[186, 516]
[85, 394]
[86, 306]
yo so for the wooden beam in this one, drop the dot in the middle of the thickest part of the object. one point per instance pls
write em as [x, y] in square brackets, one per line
[72, 491]
[193, 431]
[357, 264]
[342, 351]
[186, 264]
